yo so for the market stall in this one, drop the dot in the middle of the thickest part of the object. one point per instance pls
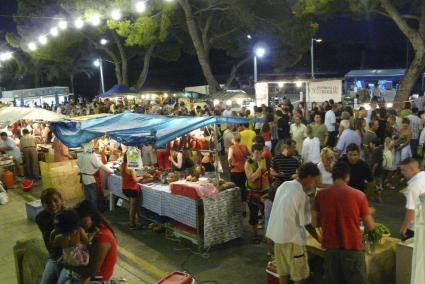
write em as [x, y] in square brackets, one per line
[204, 210]
[10, 115]
[206, 221]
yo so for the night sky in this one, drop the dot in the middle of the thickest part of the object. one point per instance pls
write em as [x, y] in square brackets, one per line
[347, 44]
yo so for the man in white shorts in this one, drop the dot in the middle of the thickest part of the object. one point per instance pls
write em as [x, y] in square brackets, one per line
[289, 218]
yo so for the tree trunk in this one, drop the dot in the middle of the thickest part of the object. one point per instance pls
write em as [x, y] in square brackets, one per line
[124, 61]
[111, 54]
[417, 38]
[414, 71]
[144, 73]
[118, 74]
[200, 50]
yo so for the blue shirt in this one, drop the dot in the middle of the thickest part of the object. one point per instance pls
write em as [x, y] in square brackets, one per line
[348, 137]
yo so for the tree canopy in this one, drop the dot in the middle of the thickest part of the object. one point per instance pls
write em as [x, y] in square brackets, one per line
[407, 15]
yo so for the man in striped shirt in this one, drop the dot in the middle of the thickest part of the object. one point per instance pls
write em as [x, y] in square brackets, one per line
[284, 165]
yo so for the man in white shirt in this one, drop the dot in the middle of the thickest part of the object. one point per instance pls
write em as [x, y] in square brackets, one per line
[89, 164]
[289, 218]
[416, 186]
[8, 146]
[227, 138]
[330, 122]
[228, 111]
[311, 147]
[298, 133]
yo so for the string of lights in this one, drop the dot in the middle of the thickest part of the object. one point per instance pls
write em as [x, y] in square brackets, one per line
[62, 24]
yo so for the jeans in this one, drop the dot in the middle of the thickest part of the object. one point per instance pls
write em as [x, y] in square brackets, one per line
[66, 277]
[332, 135]
[90, 191]
[414, 143]
[49, 274]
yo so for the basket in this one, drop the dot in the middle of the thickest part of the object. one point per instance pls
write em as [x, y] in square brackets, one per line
[27, 185]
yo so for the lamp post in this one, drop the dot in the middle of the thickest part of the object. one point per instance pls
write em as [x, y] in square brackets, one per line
[318, 40]
[98, 63]
[258, 52]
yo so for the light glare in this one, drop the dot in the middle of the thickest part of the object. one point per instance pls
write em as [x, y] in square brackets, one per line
[42, 39]
[96, 63]
[32, 46]
[103, 41]
[79, 23]
[63, 25]
[260, 52]
[95, 20]
[54, 31]
[140, 6]
[116, 15]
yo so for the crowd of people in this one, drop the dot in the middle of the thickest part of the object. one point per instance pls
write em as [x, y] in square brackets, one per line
[298, 169]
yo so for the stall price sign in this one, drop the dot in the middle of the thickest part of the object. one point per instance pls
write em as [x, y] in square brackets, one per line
[134, 158]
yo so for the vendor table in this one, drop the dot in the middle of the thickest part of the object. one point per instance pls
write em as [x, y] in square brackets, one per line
[215, 221]
[380, 264]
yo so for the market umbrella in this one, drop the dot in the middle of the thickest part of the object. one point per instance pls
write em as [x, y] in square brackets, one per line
[10, 115]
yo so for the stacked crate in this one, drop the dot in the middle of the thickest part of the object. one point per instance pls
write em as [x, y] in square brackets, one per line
[63, 176]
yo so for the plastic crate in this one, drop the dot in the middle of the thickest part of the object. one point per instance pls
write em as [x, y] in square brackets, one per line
[272, 276]
[33, 208]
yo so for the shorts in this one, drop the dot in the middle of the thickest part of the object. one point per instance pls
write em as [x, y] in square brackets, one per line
[239, 179]
[131, 193]
[18, 160]
[292, 261]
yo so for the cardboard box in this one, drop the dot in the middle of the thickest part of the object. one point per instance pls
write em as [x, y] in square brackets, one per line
[404, 252]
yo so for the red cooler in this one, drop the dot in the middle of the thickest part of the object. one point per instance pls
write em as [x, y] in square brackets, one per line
[272, 276]
[177, 278]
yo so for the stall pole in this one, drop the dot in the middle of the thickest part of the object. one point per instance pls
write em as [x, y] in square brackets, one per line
[217, 174]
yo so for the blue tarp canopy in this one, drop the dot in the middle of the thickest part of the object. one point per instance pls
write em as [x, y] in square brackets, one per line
[115, 90]
[135, 129]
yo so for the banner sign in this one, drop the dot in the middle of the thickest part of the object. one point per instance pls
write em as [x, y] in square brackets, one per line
[320, 91]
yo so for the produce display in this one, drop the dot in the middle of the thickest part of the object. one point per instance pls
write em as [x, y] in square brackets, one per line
[372, 238]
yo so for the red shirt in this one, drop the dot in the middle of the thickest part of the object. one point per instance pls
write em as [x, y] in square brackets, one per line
[267, 154]
[340, 209]
[127, 179]
[240, 152]
[107, 268]
[267, 136]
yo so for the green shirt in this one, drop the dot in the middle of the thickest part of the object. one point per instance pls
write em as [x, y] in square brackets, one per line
[320, 131]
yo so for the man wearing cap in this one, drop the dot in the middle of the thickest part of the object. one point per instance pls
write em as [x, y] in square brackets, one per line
[89, 164]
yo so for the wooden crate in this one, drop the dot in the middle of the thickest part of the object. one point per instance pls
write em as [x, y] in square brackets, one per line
[63, 176]
[59, 168]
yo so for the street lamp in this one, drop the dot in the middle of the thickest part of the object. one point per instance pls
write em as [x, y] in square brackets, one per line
[98, 63]
[258, 52]
[318, 40]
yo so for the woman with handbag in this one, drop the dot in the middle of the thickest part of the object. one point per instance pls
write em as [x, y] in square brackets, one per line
[257, 184]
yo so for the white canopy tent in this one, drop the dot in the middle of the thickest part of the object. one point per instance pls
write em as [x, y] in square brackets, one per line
[10, 115]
